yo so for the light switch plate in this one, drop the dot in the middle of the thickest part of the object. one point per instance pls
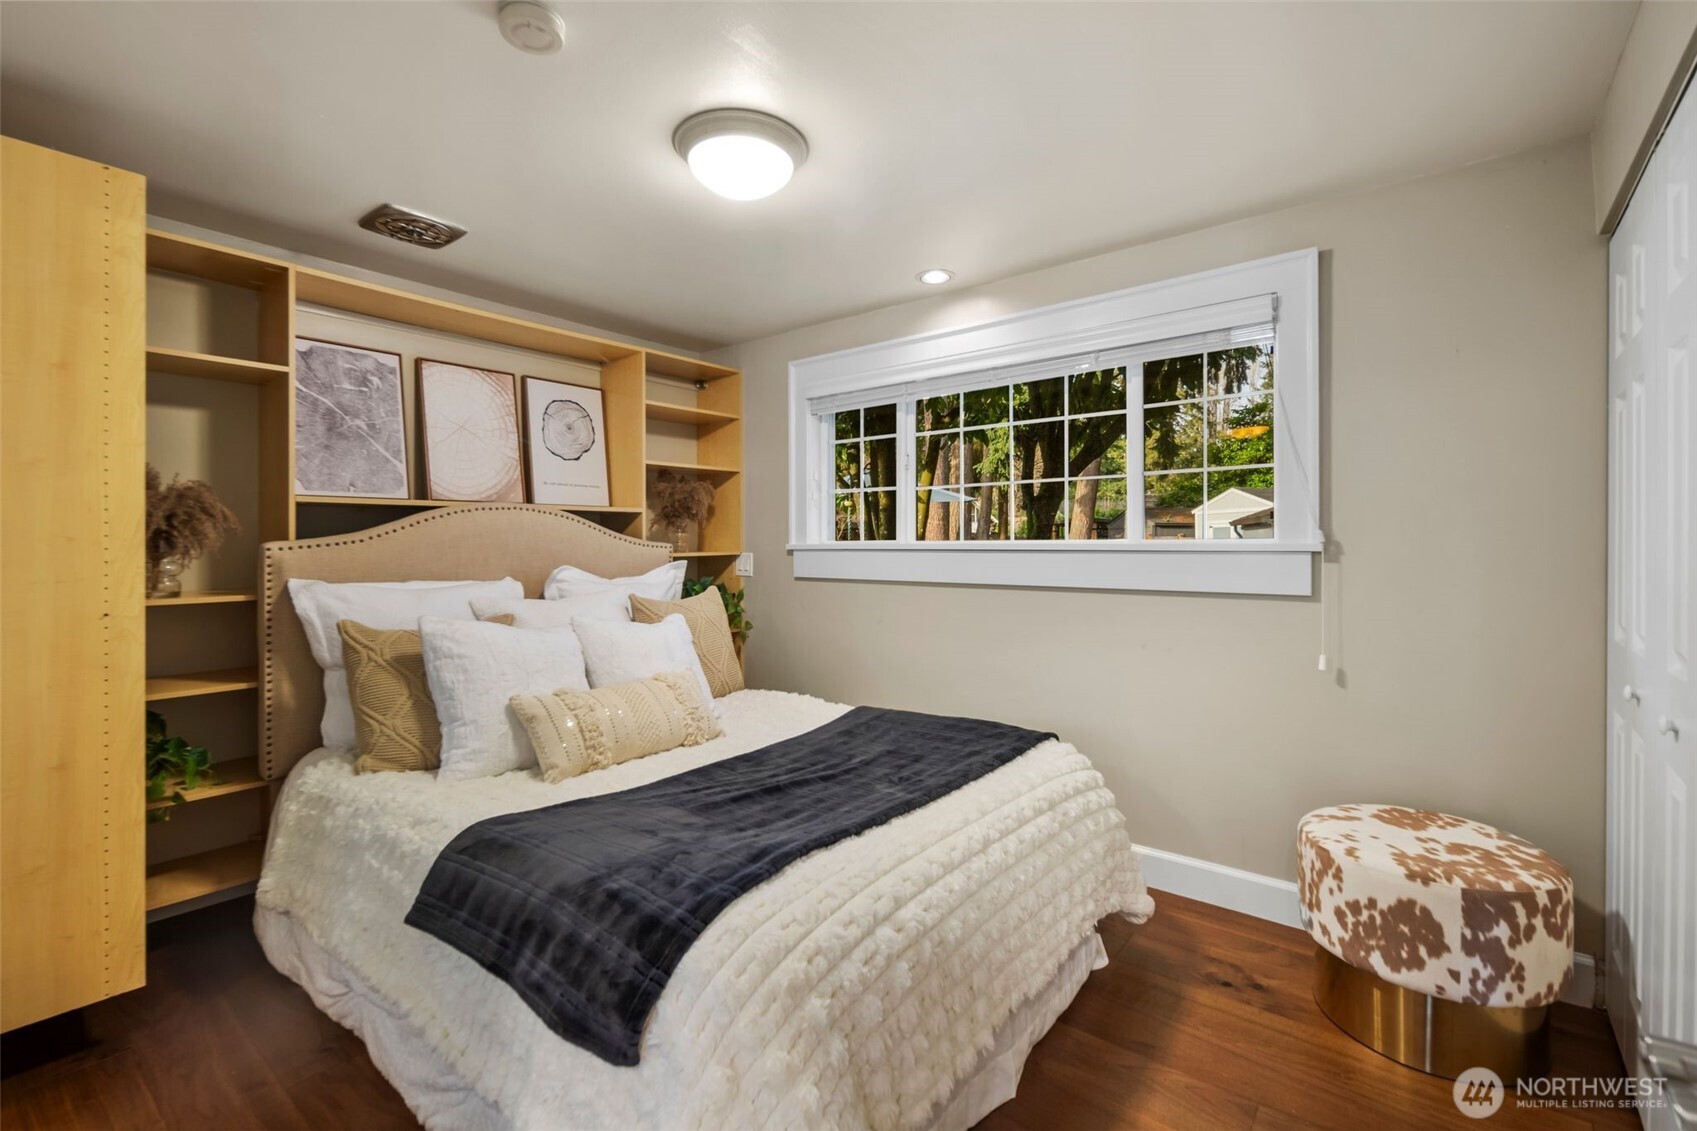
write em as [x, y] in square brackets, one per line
[745, 565]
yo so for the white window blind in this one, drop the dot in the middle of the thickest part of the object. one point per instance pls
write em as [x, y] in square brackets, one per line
[1223, 325]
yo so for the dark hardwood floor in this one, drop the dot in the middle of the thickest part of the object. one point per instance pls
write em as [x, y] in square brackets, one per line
[1202, 1019]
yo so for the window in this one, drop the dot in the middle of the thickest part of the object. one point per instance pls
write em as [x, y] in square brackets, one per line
[1163, 437]
[1208, 445]
[1030, 461]
[864, 455]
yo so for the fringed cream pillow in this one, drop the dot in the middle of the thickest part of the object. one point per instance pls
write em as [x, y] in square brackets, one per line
[709, 628]
[574, 732]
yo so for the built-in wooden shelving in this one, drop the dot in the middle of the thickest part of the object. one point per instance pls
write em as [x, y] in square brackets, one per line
[200, 683]
[238, 775]
[264, 361]
[378, 301]
[204, 597]
[688, 414]
[204, 873]
[186, 363]
[341, 501]
[185, 255]
[708, 469]
[662, 364]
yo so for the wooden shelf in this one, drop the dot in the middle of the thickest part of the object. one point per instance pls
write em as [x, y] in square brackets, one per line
[663, 364]
[693, 468]
[178, 881]
[201, 683]
[708, 554]
[204, 597]
[688, 414]
[238, 775]
[378, 301]
[184, 255]
[185, 363]
[339, 501]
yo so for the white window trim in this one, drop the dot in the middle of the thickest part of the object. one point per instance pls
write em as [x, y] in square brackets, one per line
[1174, 308]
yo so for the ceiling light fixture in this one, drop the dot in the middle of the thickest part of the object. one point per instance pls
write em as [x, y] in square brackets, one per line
[740, 154]
[531, 27]
[935, 277]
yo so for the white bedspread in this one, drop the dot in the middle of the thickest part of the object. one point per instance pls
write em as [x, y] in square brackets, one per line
[853, 989]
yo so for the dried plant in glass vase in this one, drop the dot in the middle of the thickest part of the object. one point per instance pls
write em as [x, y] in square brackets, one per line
[681, 502]
[185, 521]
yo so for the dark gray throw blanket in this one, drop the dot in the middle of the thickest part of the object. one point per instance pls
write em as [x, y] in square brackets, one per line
[585, 908]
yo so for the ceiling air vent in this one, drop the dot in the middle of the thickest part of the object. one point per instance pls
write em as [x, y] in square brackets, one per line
[410, 227]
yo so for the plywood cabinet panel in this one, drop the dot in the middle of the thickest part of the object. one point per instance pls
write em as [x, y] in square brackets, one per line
[71, 464]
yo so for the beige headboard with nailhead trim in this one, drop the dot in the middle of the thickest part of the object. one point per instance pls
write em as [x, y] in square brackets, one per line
[475, 542]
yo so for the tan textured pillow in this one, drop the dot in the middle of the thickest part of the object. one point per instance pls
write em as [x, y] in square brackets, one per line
[574, 732]
[709, 627]
[394, 717]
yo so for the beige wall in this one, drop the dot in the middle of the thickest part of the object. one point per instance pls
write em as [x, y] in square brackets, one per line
[1652, 66]
[1463, 392]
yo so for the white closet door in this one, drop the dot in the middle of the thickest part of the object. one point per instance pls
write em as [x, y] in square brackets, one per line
[1652, 614]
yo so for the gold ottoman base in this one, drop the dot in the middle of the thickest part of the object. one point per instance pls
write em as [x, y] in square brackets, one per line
[1435, 1035]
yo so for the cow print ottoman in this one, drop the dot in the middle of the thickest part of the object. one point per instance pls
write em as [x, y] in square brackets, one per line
[1441, 941]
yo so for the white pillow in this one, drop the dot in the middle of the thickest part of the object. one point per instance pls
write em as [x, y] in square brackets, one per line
[616, 652]
[608, 604]
[662, 583]
[473, 669]
[321, 605]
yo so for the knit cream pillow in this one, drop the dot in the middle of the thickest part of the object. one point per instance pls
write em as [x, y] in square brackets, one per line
[395, 723]
[574, 732]
[709, 628]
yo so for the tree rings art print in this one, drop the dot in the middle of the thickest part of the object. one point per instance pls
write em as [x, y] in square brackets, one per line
[566, 438]
[471, 437]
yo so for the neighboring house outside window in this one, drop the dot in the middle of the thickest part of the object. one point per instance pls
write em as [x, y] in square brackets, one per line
[1070, 446]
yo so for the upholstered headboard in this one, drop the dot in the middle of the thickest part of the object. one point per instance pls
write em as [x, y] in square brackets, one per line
[475, 542]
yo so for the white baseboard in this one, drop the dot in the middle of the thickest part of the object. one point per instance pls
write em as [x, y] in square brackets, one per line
[1264, 897]
[1222, 886]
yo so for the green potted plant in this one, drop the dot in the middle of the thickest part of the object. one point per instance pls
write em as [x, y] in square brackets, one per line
[172, 766]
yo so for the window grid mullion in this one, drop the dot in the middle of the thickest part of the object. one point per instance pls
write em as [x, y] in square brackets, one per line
[1135, 493]
[906, 480]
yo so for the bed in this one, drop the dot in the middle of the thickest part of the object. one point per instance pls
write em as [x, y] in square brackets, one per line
[893, 980]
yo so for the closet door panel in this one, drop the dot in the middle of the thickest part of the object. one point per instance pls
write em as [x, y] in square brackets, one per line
[72, 388]
[1674, 1014]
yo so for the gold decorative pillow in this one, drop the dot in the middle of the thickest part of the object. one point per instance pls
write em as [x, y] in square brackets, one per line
[709, 627]
[395, 723]
[574, 732]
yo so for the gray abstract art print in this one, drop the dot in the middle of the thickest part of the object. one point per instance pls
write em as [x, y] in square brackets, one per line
[350, 438]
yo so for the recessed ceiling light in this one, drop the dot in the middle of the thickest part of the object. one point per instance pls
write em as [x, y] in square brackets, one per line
[935, 277]
[740, 154]
[531, 27]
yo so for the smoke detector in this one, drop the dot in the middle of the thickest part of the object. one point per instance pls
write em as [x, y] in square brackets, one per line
[410, 227]
[531, 27]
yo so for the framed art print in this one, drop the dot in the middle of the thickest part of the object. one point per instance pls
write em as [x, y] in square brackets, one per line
[350, 435]
[565, 435]
[471, 438]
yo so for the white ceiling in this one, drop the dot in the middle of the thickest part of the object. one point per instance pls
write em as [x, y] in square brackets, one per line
[990, 139]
